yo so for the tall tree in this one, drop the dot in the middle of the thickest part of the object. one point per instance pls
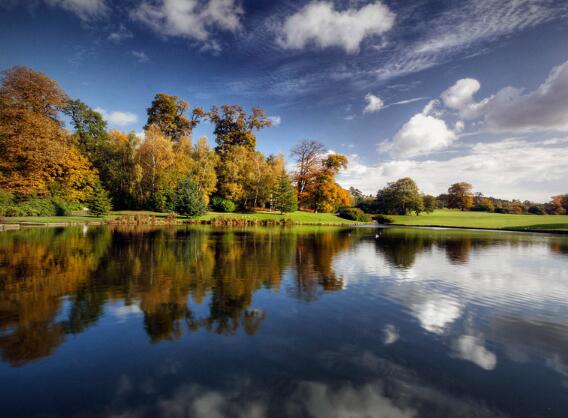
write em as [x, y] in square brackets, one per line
[90, 128]
[323, 193]
[308, 158]
[234, 127]
[460, 196]
[167, 112]
[38, 156]
[400, 198]
[189, 200]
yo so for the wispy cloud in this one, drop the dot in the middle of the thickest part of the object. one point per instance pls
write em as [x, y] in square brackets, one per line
[86, 9]
[140, 56]
[120, 34]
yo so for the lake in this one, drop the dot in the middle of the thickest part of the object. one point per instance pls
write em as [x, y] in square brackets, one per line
[303, 321]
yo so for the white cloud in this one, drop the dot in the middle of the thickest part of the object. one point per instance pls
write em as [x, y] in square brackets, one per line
[118, 118]
[276, 120]
[191, 19]
[140, 56]
[533, 170]
[460, 97]
[421, 135]
[85, 9]
[546, 108]
[120, 35]
[319, 23]
[374, 103]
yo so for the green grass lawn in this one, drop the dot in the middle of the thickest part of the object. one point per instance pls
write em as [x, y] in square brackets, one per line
[296, 217]
[455, 218]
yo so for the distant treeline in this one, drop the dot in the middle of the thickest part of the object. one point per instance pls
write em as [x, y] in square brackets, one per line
[403, 197]
[47, 169]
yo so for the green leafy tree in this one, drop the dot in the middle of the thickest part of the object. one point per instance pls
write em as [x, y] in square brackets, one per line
[90, 129]
[430, 203]
[100, 204]
[167, 112]
[284, 194]
[400, 198]
[189, 200]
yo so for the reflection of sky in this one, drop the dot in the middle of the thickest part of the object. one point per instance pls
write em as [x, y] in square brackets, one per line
[493, 296]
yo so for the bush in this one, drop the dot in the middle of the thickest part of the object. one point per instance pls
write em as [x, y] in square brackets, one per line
[63, 207]
[354, 214]
[383, 220]
[37, 207]
[223, 205]
[536, 210]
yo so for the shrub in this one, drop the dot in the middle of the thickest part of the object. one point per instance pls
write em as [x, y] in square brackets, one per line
[63, 207]
[536, 210]
[354, 214]
[37, 207]
[223, 205]
[383, 220]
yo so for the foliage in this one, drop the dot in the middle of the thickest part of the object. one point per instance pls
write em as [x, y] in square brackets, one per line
[400, 197]
[284, 194]
[430, 203]
[558, 205]
[167, 113]
[39, 157]
[223, 205]
[100, 203]
[355, 214]
[308, 156]
[233, 127]
[90, 129]
[460, 196]
[322, 193]
[36, 207]
[189, 200]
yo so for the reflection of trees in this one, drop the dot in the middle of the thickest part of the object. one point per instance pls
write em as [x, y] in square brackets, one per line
[161, 270]
[313, 263]
[37, 268]
[401, 246]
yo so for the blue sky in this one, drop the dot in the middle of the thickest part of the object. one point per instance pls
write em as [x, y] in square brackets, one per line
[441, 91]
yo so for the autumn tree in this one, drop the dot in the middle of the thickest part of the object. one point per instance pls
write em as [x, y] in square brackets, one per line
[460, 196]
[167, 112]
[308, 155]
[558, 205]
[204, 162]
[38, 156]
[400, 198]
[323, 193]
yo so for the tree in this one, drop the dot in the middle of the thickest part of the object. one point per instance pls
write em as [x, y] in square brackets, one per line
[100, 204]
[323, 193]
[167, 112]
[358, 196]
[38, 156]
[284, 194]
[430, 203]
[558, 205]
[203, 168]
[460, 196]
[189, 200]
[400, 198]
[308, 156]
[90, 129]
[233, 127]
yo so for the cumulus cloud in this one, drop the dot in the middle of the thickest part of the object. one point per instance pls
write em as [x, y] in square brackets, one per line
[421, 135]
[118, 118]
[545, 108]
[85, 9]
[320, 24]
[140, 56]
[374, 103]
[191, 19]
[471, 348]
[532, 170]
[460, 97]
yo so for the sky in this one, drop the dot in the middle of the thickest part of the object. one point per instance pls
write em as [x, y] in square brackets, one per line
[441, 91]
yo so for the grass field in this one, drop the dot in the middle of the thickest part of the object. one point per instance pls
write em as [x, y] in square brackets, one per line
[296, 217]
[454, 218]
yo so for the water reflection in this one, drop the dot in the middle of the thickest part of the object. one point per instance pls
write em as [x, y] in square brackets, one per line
[295, 322]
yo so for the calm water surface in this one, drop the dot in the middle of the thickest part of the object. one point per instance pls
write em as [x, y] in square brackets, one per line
[307, 322]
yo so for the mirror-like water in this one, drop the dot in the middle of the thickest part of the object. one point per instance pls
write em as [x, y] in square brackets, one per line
[312, 322]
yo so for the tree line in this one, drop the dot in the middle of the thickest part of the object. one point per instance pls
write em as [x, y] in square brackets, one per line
[403, 197]
[47, 169]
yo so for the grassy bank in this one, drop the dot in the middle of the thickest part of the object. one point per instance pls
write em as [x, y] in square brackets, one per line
[484, 220]
[304, 218]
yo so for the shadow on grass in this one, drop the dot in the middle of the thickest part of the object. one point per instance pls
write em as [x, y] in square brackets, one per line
[560, 227]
